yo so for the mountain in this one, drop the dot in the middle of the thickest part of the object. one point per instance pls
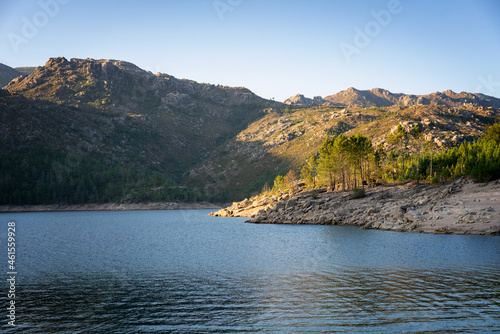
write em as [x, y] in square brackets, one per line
[301, 100]
[184, 118]
[85, 130]
[25, 70]
[114, 114]
[377, 97]
[7, 74]
[287, 136]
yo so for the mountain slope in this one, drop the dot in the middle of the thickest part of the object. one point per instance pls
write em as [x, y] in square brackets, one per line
[7, 74]
[27, 70]
[285, 138]
[178, 121]
[115, 117]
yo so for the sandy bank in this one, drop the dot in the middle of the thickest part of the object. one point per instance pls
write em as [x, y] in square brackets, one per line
[109, 207]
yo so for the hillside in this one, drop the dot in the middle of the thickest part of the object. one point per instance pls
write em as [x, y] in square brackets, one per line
[26, 70]
[119, 133]
[146, 112]
[284, 138]
[120, 116]
[7, 74]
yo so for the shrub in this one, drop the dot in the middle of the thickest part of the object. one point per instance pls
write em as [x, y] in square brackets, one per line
[358, 193]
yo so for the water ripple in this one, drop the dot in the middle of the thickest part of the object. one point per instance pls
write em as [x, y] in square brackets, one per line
[264, 279]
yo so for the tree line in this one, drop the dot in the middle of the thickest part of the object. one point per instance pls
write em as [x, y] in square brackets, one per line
[39, 175]
[346, 163]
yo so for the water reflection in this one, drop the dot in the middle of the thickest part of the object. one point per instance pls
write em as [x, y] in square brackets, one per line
[160, 272]
[342, 300]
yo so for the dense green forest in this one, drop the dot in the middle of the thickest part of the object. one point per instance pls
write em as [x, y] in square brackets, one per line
[345, 163]
[39, 175]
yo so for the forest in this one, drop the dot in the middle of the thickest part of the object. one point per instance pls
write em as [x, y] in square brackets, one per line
[39, 175]
[347, 163]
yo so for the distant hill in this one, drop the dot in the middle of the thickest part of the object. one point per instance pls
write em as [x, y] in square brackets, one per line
[383, 98]
[7, 74]
[26, 70]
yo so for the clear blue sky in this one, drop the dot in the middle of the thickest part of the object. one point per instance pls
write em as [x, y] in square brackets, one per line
[276, 48]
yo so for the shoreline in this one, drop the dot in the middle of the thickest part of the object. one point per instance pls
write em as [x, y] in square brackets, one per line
[461, 207]
[109, 207]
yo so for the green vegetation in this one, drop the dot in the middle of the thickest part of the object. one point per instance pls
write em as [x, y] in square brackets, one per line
[344, 163]
[358, 193]
[42, 176]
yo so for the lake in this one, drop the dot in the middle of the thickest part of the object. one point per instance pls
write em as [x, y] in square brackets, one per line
[186, 272]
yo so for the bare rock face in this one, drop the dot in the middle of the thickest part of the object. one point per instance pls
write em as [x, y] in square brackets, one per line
[252, 207]
[299, 100]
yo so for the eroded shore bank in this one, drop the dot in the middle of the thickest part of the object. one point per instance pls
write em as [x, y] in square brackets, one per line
[110, 207]
[461, 207]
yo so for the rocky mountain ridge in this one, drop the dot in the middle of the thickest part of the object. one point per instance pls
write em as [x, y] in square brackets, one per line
[115, 85]
[377, 97]
[167, 123]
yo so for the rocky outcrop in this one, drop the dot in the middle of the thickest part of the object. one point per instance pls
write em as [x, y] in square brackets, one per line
[301, 100]
[462, 207]
[252, 207]
[377, 97]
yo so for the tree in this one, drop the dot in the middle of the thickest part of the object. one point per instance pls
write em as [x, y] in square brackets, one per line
[305, 175]
[361, 151]
[279, 182]
[341, 158]
[309, 171]
[430, 148]
[400, 139]
[493, 133]
[290, 179]
[419, 145]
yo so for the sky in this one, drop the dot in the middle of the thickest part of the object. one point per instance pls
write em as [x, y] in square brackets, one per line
[276, 48]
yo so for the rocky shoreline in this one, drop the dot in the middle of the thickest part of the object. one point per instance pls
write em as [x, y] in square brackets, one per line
[461, 207]
[110, 207]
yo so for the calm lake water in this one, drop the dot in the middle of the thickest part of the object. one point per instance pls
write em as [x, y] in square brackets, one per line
[186, 272]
